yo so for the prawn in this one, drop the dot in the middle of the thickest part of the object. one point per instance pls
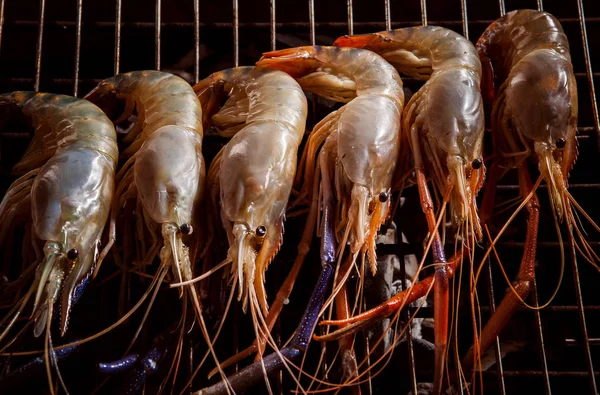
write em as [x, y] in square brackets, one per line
[443, 126]
[350, 158]
[250, 179]
[162, 179]
[534, 117]
[65, 193]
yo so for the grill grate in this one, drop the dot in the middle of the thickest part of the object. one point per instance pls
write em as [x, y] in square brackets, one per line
[77, 44]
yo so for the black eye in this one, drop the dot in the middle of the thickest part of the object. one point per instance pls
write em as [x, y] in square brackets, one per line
[261, 231]
[383, 197]
[72, 254]
[560, 143]
[476, 164]
[186, 229]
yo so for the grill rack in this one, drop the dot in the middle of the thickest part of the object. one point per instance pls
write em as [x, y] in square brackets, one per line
[77, 83]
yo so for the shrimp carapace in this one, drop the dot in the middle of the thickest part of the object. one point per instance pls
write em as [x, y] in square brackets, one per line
[64, 195]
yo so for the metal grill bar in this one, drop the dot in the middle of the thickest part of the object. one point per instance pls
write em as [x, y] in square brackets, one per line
[266, 25]
[118, 37]
[538, 320]
[196, 41]
[157, 32]
[350, 17]
[311, 20]
[424, 12]
[77, 48]
[584, 132]
[588, 66]
[388, 19]
[273, 27]
[38, 51]
[236, 37]
[1, 20]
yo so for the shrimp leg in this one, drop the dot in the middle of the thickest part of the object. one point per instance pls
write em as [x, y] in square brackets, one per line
[389, 307]
[525, 277]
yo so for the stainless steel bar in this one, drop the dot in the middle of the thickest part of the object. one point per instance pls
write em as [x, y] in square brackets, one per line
[465, 20]
[502, 7]
[273, 26]
[38, 51]
[266, 25]
[588, 67]
[538, 320]
[117, 62]
[350, 17]
[77, 48]
[236, 37]
[424, 12]
[1, 20]
[492, 308]
[157, 31]
[582, 321]
[196, 40]
[552, 373]
[311, 20]
[388, 16]
[540, 5]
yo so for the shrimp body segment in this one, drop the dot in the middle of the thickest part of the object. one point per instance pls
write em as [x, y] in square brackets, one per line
[65, 191]
[251, 178]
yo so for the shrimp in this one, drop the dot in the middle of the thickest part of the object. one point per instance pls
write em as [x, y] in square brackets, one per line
[350, 157]
[534, 116]
[65, 192]
[162, 180]
[251, 177]
[443, 125]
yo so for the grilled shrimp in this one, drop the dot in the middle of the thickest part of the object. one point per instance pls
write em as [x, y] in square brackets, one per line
[350, 157]
[251, 177]
[534, 116]
[65, 193]
[162, 180]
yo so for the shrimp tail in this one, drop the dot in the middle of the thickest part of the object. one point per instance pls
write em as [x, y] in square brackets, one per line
[297, 62]
[357, 41]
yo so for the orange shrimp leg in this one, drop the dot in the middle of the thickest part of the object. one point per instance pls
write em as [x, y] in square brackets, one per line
[389, 307]
[440, 287]
[525, 277]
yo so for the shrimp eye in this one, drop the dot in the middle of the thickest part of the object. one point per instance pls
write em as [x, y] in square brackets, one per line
[261, 231]
[72, 254]
[186, 229]
[383, 197]
[476, 164]
[560, 143]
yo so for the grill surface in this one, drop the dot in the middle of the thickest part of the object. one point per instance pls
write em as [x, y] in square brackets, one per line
[68, 46]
